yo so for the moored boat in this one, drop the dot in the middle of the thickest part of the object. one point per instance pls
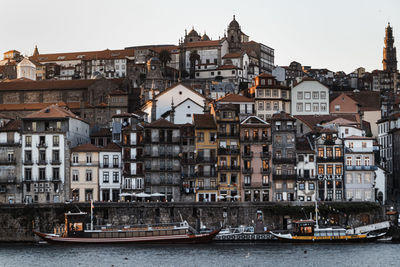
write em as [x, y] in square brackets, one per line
[74, 232]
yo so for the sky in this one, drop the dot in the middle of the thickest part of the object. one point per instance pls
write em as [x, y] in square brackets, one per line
[338, 35]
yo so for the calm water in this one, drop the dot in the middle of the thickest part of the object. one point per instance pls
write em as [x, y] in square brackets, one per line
[201, 255]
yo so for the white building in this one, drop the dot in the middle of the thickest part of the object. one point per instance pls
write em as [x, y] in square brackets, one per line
[174, 95]
[380, 185]
[110, 176]
[47, 136]
[310, 97]
[306, 170]
[360, 168]
[26, 69]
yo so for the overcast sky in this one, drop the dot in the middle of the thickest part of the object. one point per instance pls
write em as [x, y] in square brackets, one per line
[338, 35]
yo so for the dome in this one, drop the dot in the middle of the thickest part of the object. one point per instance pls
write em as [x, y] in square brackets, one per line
[205, 37]
[96, 75]
[153, 60]
[234, 23]
[193, 33]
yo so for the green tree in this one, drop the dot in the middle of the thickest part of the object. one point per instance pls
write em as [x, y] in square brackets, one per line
[165, 57]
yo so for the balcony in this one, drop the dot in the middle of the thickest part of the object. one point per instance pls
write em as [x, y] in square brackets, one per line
[205, 174]
[27, 162]
[56, 179]
[247, 170]
[264, 155]
[284, 176]
[255, 185]
[9, 179]
[362, 168]
[329, 159]
[12, 161]
[210, 160]
[55, 162]
[229, 168]
[228, 151]
[207, 188]
[247, 155]
[228, 135]
[41, 145]
[284, 160]
[265, 170]
[262, 139]
[42, 162]
[10, 143]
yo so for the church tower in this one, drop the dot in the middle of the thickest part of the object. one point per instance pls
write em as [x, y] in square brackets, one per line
[234, 36]
[389, 51]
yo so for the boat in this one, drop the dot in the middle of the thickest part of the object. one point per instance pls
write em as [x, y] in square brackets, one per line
[308, 231]
[243, 234]
[75, 232]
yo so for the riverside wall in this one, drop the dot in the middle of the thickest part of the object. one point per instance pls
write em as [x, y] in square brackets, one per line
[18, 220]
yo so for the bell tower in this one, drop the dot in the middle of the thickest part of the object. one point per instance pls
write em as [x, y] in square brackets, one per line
[234, 36]
[389, 51]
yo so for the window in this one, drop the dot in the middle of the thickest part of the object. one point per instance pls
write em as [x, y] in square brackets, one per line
[115, 162]
[321, 152]
[321, 169]
[337, 107]
[311, 186]
[358, 178]
[308, 107]
[115, 177]
[338, 169]
[88, 194]
[338, 152]
[262, 81]
[268, 92]
[366, 161]
[364, 144]
[265, 180]
[329, 169]
[261, 105]
[276, 106]
[351, 144]
[323, 106]
[89, 175]
[75, 158]
[28, 174]
[301, 158]
[223, 178]
[28, 140]
[247, 180]
[300, 95]
[88, 158]
[260, 92]
[315, 95]
[315, 107]
[358, 161]
[284, 94]
[307, 95]
[56, 140]
[42, 173]
[367, 178]
[299, 107]
[58, 124]
[275, 93]
[75, 175]
[200, 137]
[106, 177]
[311, 158]
[267, 105]
[56, 155]
[302, 186]
[105, 161]
[323, 95]
[56, 173]
[348, 161]
[329, 152]
[349, 178]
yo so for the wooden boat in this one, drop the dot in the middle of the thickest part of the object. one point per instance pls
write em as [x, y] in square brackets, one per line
[306, 231]
[74, 232]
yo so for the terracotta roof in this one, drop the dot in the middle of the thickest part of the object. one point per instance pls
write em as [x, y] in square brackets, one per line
[359, 137]
[368, 100]
[45, 84]
[312, 120]
[303, 145]
[86, 148]
[233, 55]
[282, 116]
[112, 147]
[12, 126]
[175, 85]
[204, 121]
[227, 67]
[203, 43]
[328, 130]
[53, 112]
[169, 48]
[234, 98]
[103, 132]
[162, 123]
[87, 55]
[37, 106]
[341, 121]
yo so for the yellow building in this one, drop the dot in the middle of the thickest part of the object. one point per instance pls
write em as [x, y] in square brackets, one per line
[206, 158]
[84, 180]
[227, 117]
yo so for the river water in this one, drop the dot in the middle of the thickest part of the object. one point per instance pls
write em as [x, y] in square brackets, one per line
[269, 254]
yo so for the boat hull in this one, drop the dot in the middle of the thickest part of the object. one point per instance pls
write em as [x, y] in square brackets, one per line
[165, 239]
[326, 239]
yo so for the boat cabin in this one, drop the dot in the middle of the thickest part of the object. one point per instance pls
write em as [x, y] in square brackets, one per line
[75, 224]
[303, 227]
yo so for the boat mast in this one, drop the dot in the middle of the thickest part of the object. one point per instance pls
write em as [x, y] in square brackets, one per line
[316, 213]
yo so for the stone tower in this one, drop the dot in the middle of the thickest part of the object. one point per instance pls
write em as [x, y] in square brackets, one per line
[389, 51]
[234, 36]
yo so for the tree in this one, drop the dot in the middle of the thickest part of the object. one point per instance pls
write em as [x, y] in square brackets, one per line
[165, 57]
[193, 58]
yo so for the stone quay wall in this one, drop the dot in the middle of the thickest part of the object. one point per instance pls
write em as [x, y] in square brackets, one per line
[18, 220]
